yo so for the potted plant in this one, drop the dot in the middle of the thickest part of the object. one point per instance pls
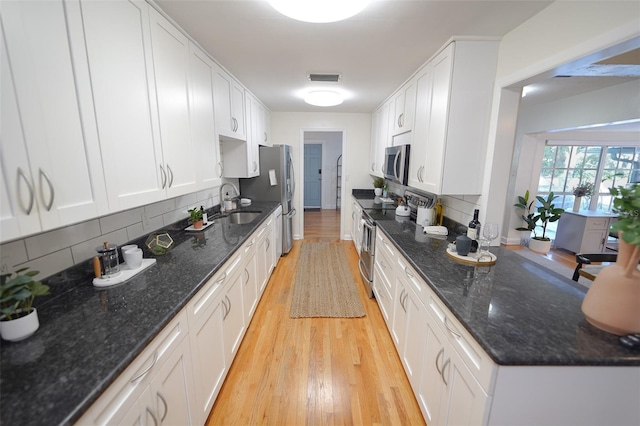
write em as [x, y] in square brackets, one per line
[582, 190]
[196, 217]
[545, 213]
[19, 319]
[378, 183]
[613, 300]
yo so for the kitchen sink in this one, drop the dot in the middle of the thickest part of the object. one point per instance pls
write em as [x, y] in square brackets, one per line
[241, 218]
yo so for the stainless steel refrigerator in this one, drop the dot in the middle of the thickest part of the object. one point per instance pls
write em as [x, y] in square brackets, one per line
[276, 182]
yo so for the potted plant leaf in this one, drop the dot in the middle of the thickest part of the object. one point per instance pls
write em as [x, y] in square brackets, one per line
[613, 300]
[378, 183]
[19, 319]
[526, 205]
[545, 213]
[196, 217]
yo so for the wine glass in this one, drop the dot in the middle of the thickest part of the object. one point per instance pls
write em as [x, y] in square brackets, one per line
[490, 232]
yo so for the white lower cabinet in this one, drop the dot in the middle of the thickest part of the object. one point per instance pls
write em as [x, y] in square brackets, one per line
[265, 254]
[250, 279]
[233, 325]
[157, 388]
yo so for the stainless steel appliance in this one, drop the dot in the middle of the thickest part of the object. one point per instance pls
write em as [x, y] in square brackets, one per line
[277, 182]
[373, 212]
[396, 163]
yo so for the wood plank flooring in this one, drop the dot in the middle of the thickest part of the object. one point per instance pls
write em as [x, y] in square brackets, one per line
[315, 371]
[319, 371]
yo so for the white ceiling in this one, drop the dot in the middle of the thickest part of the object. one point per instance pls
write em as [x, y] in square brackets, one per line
[375, 51]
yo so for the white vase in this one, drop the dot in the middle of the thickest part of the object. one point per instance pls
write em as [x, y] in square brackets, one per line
[613, 300]
[377, 191]
[576, 204]
[540, 246]
[19, 328]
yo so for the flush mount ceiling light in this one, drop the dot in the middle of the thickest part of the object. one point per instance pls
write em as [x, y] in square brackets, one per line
[323, 98]
[319, 11]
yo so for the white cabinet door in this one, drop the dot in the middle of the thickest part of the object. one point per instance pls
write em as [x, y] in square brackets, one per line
[118, 43]
[230, 109]
[202, 113]
[432, 385]
[250, 280]
[412, 354]
[171, 67]
[172, 389]
[398, 325]
[205, 314]
[404, 106]
[65, 167]
[234, 319]
[356, 225]
[383, 118]
[417, 160]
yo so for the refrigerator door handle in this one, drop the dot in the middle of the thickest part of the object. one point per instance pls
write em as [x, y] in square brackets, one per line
[291, 214]
[293, 176]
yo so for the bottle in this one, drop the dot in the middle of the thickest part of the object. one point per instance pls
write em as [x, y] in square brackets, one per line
[473, 231]
[204, 215]
[227, 202]
[439, 213]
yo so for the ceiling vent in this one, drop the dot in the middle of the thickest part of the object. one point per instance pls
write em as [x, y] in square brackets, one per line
[332, 78]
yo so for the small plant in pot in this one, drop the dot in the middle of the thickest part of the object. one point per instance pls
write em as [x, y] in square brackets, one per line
[19, 319]
[582, 190]
[546, 213]
[378, 184]
[196, 217]
[613, 300]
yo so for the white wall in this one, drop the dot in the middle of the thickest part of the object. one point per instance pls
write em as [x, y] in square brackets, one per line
[288, 128]
[562, 32]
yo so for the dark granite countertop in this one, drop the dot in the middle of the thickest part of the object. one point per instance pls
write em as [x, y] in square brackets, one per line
[520, 312]
[88, 336]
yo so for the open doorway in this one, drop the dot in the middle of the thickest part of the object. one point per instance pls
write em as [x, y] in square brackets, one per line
[322, 184]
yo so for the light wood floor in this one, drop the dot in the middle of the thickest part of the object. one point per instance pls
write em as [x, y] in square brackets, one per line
[319, 371]
[315, 371]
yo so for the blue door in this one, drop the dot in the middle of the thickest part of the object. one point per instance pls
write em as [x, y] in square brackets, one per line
[313, 176]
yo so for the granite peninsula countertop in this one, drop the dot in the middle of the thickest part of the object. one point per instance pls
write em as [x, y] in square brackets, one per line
[88, 336]
[520, 312]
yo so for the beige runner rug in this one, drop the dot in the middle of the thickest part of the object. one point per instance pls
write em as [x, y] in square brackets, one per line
[323, 284]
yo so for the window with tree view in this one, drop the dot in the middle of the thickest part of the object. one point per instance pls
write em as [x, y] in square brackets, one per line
[565, 167]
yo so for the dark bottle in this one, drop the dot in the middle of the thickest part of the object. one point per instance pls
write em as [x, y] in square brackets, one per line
[473, 231]
[204, 215]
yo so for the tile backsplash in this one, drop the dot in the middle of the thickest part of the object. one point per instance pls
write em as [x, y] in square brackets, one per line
[53, 251]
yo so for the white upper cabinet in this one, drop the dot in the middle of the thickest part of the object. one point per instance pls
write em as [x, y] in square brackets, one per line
[404, 107]
[118, 42]
[171, 68]
[230, 106]
[382, 123]
[203, 135]
[52, 163]
[452, 119]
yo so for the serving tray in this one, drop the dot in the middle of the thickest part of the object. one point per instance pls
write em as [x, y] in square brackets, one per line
[486, 259]
[125, 274]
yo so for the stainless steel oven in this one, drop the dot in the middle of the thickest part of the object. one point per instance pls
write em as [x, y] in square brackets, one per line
[367, 251]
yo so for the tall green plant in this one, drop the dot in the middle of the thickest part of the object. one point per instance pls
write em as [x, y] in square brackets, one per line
[547, 212]
[627, 205]
[524, 204]
[19, 292]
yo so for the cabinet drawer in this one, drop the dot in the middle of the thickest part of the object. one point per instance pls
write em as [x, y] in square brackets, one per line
[419, 287]
[133, 381]
[383, 295]
[384, 245]
[597, 223]
[470, 352]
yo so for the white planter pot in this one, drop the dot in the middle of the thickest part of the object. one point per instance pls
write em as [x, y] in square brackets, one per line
[20, 328]
[377, 191]
[576, 204]
[540, 246]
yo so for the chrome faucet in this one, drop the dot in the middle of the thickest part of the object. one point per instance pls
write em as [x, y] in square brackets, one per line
[237, 195]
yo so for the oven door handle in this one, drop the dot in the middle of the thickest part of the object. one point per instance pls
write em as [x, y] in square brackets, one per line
[360, 265]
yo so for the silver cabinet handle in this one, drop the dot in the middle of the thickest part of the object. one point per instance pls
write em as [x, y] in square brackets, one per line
[248, 276]
[441, 352]
[451, 330]
[406, 271]
[222, 278]
[146, 370]
[266, 137]
[373, 167]
[170, 172]
[221, 167]
[42, 175]
[164, 177]
[268, 244]
[228, 308]
[166, 407]
[155, 421]
[255, 166]
[447, 362]
[22, 176]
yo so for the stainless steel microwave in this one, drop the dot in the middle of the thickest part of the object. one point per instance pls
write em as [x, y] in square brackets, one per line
[396, 163]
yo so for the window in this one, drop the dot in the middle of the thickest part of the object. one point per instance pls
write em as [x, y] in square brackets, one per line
[567, 166]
